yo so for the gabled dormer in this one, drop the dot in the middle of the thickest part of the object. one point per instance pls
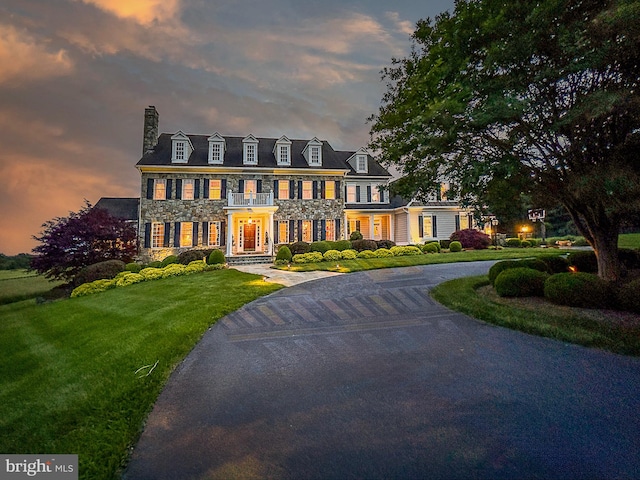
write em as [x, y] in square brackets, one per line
[181, 148]
[249, 150]
[282, 151]
[217, 147]
[359, 161]
[313, 152]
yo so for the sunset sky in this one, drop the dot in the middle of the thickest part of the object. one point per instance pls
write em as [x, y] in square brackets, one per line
[76, 76]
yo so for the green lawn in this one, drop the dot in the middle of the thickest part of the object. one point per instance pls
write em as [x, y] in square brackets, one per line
[16, 285]
[81, 375]
[629, 240]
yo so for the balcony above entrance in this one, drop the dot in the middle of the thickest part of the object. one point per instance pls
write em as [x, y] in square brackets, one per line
[250, 199]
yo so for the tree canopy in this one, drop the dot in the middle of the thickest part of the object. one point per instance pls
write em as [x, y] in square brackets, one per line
[92, 235]
[541, 95]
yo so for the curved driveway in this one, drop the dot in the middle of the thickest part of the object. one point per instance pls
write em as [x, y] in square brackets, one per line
[364, 376]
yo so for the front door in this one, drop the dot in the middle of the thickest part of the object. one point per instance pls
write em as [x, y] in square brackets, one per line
[249, 237]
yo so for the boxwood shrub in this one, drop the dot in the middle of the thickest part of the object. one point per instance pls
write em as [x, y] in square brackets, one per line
[173, 270]
[128, 278]
[355, 235]
[385, 244]
[366, 254]
[628, 296]
[584, 261]
[513, 242]
[310, 257]
[189, 256]
[498, 267]
[155, 264]
[349, 254]
[90, 288]
[430, 248]
[360, 245]
[284, 254]
[99, 271]
[196, 266]
[555, 263]
[383, 252]
[321, 247]
[520, 282]
[332, 255]
[579, 289]
[342, 245]
[455, 246]
[216, 257]
[133, 267]
[299, 248]
[171, 259]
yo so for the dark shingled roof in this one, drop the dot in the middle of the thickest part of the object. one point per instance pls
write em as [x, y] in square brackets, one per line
[161, 155]
[124, 208]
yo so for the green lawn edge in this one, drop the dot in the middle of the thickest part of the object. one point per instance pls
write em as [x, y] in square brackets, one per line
[462, 296]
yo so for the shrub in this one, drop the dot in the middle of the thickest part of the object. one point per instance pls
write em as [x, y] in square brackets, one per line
[383, 252]
[628, 296]
[629, 258]
[429, 248]
[534, 263]
[580, 242]
[332, 255]
[171, 259]
[555, 264]
[360, 245]
[513, 242]
[436, 243]
[173, 270]
[356, 235]
[445, 243]
[525, 244]
[189, 256]
[585, 261]
[455, 247]
[215, 266]
[520, 282]
[310, 257]
[579, 289]
[151, 273]
[90, 288]
[342, 245]
[385, 244]
[99, 271]
[471, 238]
[284, 253]
[366, 254]
[321, 246]
[196, 266]
[498, 268]
[349, 254]
[216, 257]
[156, 264]
[133, 267]
[405, 251]
[128, 278]
[299, 248]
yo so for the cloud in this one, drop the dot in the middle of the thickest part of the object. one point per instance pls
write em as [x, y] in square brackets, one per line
[144, 12]
[24, 58]
[402, 26]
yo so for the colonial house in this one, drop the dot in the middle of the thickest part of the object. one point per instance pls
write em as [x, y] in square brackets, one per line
[246, 195]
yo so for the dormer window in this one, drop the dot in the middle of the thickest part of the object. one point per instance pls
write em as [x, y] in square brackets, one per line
[313, 153]
[282, 151]
[181, 148]
[359, 161]
[216, 149]
[361, 164]
[250, 150]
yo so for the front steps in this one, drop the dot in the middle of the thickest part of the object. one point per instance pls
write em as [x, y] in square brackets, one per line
[249, 260]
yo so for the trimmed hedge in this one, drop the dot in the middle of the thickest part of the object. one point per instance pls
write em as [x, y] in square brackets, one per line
[580, 289]
[584, 261]
[455, 247]
[497, 268]
[284, 254]
[321, 246]
[189, 256]
[361, 245]
[513, 242]
[521, 282]
[349, 254]
[628, 296]
[310, 257]
[216, 257]
[555, 263]
[356, 235]
[405, 251]
[332, 255]
[383, 252]
[90, 288]
[385, 244]
[99, 271]
[366, 254]
[171, 259]
[298, 248]
[342, 245]
[133, 267]
[430, 248]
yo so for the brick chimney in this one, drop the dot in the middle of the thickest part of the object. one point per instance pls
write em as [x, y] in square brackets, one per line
[150, 138]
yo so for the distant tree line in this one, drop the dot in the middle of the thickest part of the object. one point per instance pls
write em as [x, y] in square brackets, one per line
[15, 262]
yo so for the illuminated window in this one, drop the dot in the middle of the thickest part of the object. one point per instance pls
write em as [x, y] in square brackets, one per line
[159, 189]
[464, 221]
[375, 194]
[351, 193]
[187, 189]
[214, 234]
[186, 234]
[444, 190]
[215, 189]
[307, 231]
[283, 231]
[283, 189]
[330, 190]
[330, 230]
[157, 235]
[250, 188]
[307, 190]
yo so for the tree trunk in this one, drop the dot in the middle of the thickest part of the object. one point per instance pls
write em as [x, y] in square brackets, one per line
[606, 248]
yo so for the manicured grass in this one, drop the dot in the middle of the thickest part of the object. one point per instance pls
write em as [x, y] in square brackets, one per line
[629, 240]
[17, 285]
[360, 264]
[81, 375]
[562, 323]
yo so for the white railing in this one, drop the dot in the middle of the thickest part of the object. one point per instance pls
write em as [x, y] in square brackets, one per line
[245, 199]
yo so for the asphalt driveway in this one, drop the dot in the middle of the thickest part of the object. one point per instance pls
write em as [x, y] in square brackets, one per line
[364, 376]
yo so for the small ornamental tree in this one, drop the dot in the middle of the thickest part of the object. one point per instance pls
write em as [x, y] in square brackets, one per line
[91, 235]
[470, 238]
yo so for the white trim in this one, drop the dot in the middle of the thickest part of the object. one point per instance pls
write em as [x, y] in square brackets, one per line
[282, 146]
[312, 152]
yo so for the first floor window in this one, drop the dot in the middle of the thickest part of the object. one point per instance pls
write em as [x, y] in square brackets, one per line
[351, 193]
[159, 189]
[330, 230]
[307, 190]
[157, 235]
[215, 189]
[283, 231]
[464, 221]
[354, 226]
[186, 234]
[307, 231]
[283, 189]
[427, 226]
[214, 234]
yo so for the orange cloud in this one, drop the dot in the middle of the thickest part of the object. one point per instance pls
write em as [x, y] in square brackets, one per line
[23, 58]
[143, 12]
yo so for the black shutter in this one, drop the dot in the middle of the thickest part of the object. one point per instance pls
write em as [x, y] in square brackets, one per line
[315, 231]
[168, 191]
[223, 188]
[222, 235]
[357, 193]
[178, 189]
[299, 189]
[205, 233]
[205, 188]
[457, 222]
[147, 235]
[196, 189]
[314, 192]
[421, 226]
[323, 186]
[368, 193]
[291, 230]
[292, 186]
[470, 221]
[276, 233]
[337, 233]
[434, 226]
[275, 189]
[167, 230]
[338, 189]
[195, 234]
[241, 186]
[323, 229]
[176, 235]
[259, 186]
[150, 184]
[299, 230]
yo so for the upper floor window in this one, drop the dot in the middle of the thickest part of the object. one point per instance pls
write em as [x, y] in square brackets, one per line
[181, 148]
[216, 148]
[315, 156]
[330, 190]
[250, 150]
[180, 151]
[159, 189]
[313, 152]
[283, 155]
[361, 164]
[444, 190]
[307, 190]
[283, 189]
[375, 194]
[216, 153]
[188, 189]
[352, 195]
[250, 188]
[215, 189]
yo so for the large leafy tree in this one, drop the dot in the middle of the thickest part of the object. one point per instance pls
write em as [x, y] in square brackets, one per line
[542, 94]
[92, 235]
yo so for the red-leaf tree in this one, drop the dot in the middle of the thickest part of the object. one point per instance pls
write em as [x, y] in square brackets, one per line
[92, 235]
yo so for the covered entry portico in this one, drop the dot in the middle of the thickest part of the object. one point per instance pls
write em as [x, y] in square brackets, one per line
[250, 230]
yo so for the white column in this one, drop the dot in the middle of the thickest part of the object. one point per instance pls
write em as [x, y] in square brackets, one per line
[271, 231]
[229, 234]
[371, 226]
